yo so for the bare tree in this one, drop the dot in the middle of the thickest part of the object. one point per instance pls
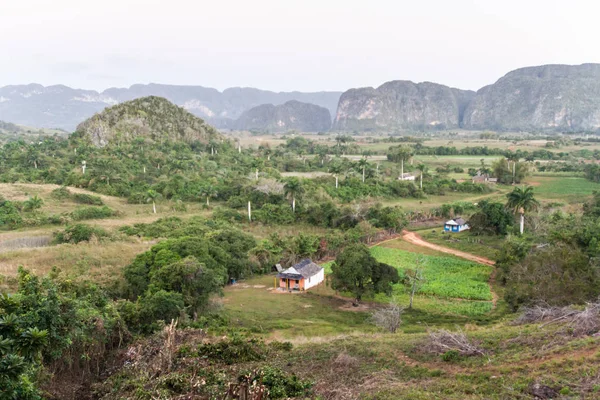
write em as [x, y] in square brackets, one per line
[415, 278]
[442, 341]
[389, 317]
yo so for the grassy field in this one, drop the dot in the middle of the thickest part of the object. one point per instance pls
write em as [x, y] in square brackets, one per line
[565, 189]
[481, 245]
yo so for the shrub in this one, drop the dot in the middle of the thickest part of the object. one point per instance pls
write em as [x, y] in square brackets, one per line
[83, 198]
[282, 385]
[82, 213]
[61, 193]
[234, 350]
[79, 233]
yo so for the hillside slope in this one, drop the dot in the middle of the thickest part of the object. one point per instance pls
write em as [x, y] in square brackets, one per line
[291, 115]
[402, 105]
[549, 97]
[151, 117]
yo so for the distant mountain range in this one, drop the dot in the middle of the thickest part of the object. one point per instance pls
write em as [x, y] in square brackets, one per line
[292, 115]
[544, 98]
[63, 107]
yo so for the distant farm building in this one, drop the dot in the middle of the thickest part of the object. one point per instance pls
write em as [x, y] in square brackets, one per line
[302, 276]
[406, 177]
[456, 225]
[484, 178]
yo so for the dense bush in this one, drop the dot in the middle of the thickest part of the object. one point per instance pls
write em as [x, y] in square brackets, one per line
[79, 233]
[83, 213]
[83, 198]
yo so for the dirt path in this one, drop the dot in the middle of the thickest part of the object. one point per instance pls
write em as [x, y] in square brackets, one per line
[414, 238]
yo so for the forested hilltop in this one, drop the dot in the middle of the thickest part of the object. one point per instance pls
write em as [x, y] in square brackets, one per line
[138, 260]
[147, 118]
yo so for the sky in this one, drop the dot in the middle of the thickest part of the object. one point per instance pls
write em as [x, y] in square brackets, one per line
[283, 45]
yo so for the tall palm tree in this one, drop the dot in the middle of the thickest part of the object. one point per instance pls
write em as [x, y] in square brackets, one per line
[257, 164]
[422, 167]
[152, 196]
[293, 188]
[522, 200]
[363, 163]
[403, 153]
[336, 170]
[208, 191]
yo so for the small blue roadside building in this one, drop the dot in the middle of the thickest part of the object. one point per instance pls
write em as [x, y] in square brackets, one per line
[456, 225]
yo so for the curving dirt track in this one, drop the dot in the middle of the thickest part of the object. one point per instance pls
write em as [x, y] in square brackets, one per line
[414, 238]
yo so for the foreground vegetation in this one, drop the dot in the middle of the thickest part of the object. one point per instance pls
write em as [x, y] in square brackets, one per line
[165, 251]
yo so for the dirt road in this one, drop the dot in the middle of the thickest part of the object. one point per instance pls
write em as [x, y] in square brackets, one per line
[414, 238]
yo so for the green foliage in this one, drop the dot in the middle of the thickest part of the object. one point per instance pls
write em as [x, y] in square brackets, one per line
[55, 320]
[84, 198]
[79, 233]
[355, 270]
[234, 350]
[61, 193]
[446, 277]
[33, 203]
[282, 385]
[83, 213]
[556, 275]
[491, 218]
[10, 218]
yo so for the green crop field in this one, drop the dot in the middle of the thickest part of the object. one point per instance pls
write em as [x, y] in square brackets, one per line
[570, 189]
[446, 277]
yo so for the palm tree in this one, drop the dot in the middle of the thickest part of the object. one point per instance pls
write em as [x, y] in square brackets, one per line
[422, 167]
[152, 196]
[363, 163]
[403, 154]
[336, 170]
[293, 188]
[257, 163]
[521, 200]
[33, 203]
[208, 191]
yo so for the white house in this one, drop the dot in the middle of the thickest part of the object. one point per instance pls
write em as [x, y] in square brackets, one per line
[456, 225]
[406, 177]
[302, 276]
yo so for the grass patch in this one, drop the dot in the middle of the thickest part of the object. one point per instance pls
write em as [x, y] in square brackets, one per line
[568, 189]
[481, 245]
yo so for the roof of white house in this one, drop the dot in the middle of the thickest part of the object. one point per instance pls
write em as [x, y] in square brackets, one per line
[304, 269]
[456, 221]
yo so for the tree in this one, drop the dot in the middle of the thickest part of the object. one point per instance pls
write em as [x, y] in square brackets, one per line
[33, 203]
[355, 270]
[257, 163]
[293, 188]
[557, 275]
[152, 196]
[402, 154]
[492, 218]
[208, 191]
[336, 170]
[522, 200]
[390, 317]
[421, 167]
[508, 174]
[363, 164]
[415, 278]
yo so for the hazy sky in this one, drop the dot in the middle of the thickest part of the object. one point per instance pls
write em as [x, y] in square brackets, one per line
[302, 45]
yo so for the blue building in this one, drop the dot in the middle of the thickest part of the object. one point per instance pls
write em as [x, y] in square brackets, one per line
[456, 225]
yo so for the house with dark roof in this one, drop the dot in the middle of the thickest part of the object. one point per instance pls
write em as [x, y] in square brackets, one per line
[302, 276]
[457, 224]
[483, 178]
